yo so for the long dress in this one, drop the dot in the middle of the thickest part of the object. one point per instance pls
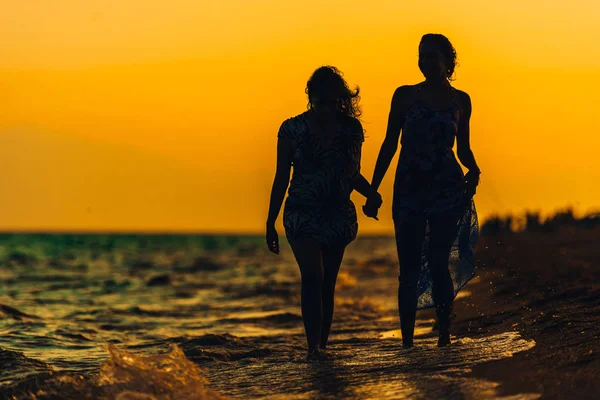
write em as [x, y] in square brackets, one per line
[318, 205]
[429, 182]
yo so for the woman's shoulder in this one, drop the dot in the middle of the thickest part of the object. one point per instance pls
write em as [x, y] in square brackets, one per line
[462, 96]
[404, 95]
[463, 99]
[296, 119]
[405, 90]
[290, 127]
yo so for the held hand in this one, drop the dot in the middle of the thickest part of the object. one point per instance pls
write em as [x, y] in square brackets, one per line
[375, 200]
[371, 208]
[272, 239]
[370, 211]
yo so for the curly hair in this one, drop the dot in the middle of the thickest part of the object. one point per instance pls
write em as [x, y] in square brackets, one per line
[328, 79]
[446, 48]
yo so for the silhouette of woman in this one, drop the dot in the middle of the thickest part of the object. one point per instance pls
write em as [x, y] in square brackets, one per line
[433, 210]
[324, 146]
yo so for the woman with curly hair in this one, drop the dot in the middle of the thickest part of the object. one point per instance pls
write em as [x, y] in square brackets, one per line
[323, 145]
[433, 211]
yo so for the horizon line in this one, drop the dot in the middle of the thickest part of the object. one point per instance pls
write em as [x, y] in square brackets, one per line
[149, 232]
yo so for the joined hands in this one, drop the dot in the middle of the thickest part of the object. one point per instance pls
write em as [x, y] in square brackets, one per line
[371, 207]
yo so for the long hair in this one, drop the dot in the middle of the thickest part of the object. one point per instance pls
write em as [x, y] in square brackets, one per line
[328, 79]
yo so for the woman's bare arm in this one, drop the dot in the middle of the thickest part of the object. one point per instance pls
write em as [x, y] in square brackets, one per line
[392, 135]
[282, 178]
[463, 142]
[362, 186]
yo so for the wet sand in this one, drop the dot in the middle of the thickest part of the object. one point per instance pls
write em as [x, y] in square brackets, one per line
[546, 286]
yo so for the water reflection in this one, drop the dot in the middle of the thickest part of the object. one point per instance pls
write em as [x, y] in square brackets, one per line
[370, 368]
[234, 312]
[329, 380]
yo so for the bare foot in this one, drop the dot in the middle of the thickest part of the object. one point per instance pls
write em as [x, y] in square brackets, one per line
[316, 355]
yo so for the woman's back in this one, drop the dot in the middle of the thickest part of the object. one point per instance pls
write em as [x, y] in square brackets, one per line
[323, 169]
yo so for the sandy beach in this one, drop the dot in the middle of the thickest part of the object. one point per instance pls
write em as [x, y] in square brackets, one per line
[546, 286]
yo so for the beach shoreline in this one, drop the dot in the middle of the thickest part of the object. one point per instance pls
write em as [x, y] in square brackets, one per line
[546, 287]
[526, 325]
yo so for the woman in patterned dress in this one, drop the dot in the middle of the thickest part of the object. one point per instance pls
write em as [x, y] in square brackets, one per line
[433, 210]
[323, 145]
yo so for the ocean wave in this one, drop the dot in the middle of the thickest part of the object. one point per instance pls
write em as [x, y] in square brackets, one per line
[11, 312]
[270, 288]
[16, 366]
[199, 264]
[224, 348]
[275, 319]
[168, 376]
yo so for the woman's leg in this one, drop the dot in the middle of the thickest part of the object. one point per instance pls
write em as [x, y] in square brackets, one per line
[410, 234]
[332, 259]
[308, 254]
[443, 230]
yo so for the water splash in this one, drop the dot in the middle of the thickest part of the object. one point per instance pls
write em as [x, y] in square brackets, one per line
[169, 376]
[125, 376]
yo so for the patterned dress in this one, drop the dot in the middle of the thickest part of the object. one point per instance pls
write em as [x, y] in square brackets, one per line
[430, 182]
[318, 205]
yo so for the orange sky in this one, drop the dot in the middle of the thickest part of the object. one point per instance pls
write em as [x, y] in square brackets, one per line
[163, 115]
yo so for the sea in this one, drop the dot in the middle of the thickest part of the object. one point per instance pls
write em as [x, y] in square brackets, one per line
[106, 316]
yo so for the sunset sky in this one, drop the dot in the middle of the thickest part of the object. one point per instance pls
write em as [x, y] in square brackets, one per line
[128, 115]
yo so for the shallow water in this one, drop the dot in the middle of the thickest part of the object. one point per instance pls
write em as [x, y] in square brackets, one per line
[201, 317]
